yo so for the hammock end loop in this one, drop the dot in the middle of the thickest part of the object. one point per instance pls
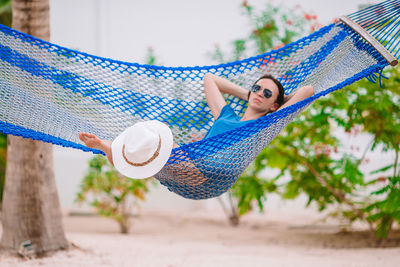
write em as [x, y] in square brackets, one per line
[368, 38]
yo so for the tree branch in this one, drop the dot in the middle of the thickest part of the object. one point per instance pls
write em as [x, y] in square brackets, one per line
[234, 209]
[395, 163]
[223, 206]
[335, 192]
[365, 151]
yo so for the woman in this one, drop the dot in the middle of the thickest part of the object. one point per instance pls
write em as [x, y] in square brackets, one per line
[266, 96]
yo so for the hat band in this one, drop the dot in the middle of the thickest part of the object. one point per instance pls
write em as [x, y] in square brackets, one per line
[141, 164]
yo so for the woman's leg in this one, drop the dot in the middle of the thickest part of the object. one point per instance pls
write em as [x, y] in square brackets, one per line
[93, 141]
[188, 172]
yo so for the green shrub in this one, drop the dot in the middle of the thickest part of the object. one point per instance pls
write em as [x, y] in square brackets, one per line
[111, 194]
[317, 162]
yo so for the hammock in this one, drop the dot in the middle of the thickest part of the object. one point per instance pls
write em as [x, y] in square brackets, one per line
[52, 93]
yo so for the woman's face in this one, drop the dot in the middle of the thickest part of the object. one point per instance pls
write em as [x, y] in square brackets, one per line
[259, 102]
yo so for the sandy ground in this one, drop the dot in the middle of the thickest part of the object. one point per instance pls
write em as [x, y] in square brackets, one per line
[160, 238]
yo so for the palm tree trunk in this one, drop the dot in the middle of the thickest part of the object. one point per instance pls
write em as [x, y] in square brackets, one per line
[31, 208]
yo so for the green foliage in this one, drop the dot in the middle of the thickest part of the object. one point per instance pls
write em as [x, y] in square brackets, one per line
[375, 111]
[323, 168]
[110, 193]
[252, 189]
[320, 166]
[384, 212]
[150, 57]
[309, 152]
[5, 12]
[272, 27]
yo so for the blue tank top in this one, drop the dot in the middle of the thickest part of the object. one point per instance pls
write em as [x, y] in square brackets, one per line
[227, 120]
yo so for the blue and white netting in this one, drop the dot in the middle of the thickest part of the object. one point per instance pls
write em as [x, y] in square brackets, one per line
[52, 93]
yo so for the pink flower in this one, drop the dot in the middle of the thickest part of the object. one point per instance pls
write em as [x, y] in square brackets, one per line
[278, 46]
[308, 16]
[268, 26]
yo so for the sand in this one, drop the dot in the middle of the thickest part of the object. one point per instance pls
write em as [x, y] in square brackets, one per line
[204, 238]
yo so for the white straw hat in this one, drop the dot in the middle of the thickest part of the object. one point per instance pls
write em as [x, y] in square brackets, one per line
[142, 149]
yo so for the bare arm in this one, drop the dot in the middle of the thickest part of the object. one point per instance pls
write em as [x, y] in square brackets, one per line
[300, 94]
[214, 86]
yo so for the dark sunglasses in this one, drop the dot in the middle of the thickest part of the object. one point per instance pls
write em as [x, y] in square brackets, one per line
[266, 92]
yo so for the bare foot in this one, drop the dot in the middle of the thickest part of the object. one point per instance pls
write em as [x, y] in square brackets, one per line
[91, 141]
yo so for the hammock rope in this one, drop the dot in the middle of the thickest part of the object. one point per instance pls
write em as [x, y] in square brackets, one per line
[52, 93]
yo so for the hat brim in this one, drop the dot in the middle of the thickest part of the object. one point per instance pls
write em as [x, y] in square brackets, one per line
[154, 166]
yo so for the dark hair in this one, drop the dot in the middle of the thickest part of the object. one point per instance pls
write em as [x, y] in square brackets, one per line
[278, 83]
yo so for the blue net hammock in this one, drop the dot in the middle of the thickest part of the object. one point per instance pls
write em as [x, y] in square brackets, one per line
[52, 93]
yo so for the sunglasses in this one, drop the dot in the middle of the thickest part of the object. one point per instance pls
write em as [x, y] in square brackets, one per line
[266, 92]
